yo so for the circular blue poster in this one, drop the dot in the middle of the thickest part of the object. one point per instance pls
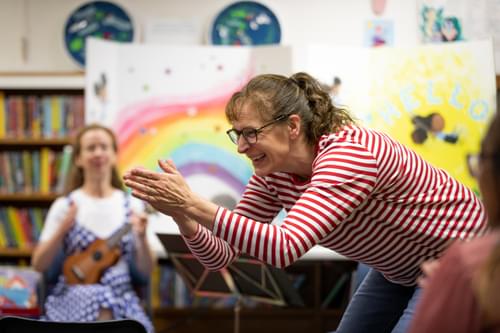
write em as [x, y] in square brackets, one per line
[99, 19]
[245, 23]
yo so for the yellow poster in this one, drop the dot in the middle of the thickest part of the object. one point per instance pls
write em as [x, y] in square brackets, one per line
[436, 99]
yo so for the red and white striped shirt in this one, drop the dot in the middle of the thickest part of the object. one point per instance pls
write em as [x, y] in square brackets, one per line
[369, 198]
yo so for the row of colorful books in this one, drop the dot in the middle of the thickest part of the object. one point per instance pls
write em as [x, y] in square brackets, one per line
[34, 171]
[20, 227]
[34, 116]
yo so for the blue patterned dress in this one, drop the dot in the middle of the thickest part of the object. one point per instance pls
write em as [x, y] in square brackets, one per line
[114, 290]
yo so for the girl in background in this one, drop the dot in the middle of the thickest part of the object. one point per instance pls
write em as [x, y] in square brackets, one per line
[95, 207]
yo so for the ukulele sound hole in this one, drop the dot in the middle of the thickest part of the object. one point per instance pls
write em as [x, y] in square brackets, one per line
[97, 256]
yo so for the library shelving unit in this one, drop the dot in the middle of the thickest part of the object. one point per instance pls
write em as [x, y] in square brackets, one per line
[38, 114]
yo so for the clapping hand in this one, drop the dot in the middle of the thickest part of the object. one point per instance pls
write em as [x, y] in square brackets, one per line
[166, 191]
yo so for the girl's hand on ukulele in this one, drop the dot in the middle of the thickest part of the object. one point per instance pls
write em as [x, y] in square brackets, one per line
[70, 218]
[139, 224]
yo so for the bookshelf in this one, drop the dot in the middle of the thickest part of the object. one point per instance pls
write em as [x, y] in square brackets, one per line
[39, 112]
[16, 253]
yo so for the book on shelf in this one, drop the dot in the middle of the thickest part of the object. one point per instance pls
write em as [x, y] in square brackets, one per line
[4, 242]
[7, 184]
[15, 225]
[9, 235]
[27, 170]
[64, 168]
[44, 170]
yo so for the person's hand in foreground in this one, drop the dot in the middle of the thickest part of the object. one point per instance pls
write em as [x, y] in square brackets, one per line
[166, 191]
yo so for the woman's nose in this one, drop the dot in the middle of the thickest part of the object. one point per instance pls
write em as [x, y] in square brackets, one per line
[242, 144]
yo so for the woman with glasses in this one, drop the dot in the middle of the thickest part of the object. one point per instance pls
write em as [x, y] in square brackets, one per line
[463, 293]
[347, 188]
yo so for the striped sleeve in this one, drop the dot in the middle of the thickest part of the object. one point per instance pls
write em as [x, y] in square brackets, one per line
[212, 252]
[343, 177]
[215, 253]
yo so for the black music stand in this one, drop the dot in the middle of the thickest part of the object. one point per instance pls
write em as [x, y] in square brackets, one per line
[245, 278]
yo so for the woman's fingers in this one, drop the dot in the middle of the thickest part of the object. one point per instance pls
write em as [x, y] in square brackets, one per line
[144, 186]
[151, 192]
[141, 195]
[155, 182]
[165, 190]
[142, 173]
[168, 166]
[138, 174]
[164, 166]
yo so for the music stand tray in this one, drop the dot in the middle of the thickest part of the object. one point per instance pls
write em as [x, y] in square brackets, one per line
[246, 277]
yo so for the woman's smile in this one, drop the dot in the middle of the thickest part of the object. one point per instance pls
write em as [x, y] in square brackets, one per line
[258, 158]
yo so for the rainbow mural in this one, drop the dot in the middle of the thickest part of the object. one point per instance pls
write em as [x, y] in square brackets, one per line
[191, 134]
[167, 102]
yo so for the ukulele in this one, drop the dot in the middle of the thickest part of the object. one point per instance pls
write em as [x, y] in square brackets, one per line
[86, 267]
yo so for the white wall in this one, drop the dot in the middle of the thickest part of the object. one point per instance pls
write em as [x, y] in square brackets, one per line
[303, 22]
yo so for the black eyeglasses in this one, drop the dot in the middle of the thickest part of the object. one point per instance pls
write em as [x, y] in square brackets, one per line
[250, 134]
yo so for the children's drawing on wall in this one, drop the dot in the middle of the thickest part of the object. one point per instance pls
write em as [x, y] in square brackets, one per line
[439, 108]
[432, 124]
[100, 88]
[431, 27]
[451, 29]
[438, 24]
[97, 112]
[101, 92]
[379, 33]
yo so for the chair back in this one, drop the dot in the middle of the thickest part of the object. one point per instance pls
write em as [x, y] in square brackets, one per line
[19, 324]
